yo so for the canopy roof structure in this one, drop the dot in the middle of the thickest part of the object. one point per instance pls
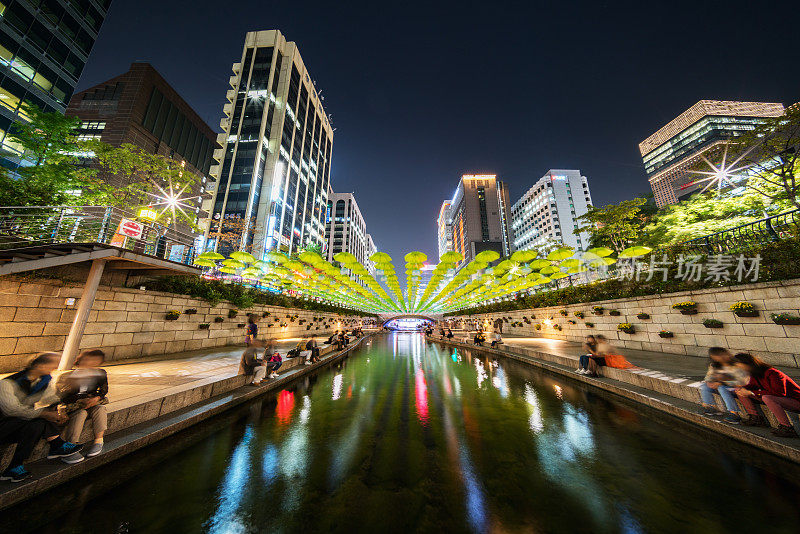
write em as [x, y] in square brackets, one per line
[351, 284]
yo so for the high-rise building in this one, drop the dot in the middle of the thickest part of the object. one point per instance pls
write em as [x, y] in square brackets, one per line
[274, 164]
[139, 107]
[44, 45]
[476, 218]
[670, 154]
[371, 249]
[445, 229]
[345, 229]
[546, 213]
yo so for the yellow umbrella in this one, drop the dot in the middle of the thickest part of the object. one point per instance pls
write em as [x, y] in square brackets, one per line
[244, 257]
[560, 254]
[487, 256]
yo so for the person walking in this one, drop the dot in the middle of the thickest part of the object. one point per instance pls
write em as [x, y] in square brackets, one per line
[251, 334]
[24, 424]
[83, 392]
[771, 387]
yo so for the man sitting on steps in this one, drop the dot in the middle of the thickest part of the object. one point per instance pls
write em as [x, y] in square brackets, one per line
[23, 423]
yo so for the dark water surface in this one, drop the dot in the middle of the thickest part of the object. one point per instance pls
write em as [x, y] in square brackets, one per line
[409, 436]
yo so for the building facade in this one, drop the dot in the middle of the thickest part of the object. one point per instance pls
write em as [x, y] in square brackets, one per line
[476, 218]
[346, 230]
[44, 46]
[139, 107]
[670, 154]
[444, 229]
[274, 164]
[546, 213]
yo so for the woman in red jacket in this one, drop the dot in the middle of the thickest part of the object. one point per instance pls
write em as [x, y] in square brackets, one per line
[770, 387]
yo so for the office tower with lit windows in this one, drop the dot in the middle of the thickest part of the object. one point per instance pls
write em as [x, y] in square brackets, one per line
[274, 164]
[476, 218]
[546, 213]
[44, 45]
[346, 230]
[139, 107]
[674, 151]
[444, 229]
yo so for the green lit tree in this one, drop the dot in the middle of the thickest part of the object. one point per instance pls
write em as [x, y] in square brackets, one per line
[615, 225]
[52, 170]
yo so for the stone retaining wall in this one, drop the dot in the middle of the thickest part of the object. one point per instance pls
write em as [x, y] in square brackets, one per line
[777, 344]
[131, 323]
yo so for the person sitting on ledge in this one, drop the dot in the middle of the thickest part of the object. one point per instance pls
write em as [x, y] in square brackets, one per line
[722, 378]
[313, 349]
[83, 392]
[497, 339]
[771, 387]
[589, 350]
[332, 339]
[274, 363]
[300, 347]
[251, 366]
[607, 356]
[479, 338]
[25, 425]
[449, 334]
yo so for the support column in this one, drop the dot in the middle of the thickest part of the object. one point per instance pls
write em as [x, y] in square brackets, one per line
[70, 351]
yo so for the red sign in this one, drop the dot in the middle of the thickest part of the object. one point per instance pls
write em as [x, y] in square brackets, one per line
[130, 228]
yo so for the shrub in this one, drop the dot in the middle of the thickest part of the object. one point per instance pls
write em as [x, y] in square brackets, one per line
[712, 323]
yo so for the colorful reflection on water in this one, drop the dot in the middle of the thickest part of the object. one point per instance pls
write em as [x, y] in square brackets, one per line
[408, 436]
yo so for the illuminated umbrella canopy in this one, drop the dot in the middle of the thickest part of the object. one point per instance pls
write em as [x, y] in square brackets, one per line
[450, 257]
[416, 257]
[203, 262]
[380, 257]
[311, 257]
[600, 251]
[487, 256]
[523, 256]
[345, 258]
[276, 257]
[233, 264]
[244, 257]
[539, 264]
[560, 254]
[635, 252]
[210, 255]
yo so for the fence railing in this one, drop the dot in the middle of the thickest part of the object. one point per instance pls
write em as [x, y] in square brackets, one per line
[775, 228]
[44, 225]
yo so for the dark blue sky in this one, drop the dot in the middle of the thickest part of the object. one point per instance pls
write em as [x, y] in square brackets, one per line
[421, 92]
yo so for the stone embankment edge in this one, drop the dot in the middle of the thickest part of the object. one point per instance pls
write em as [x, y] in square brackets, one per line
[150, 432]
[661, 402]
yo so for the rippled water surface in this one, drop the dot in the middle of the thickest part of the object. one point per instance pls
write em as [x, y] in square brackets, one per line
[410, 436]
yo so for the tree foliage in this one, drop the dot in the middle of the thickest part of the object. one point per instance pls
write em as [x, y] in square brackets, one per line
[615, 225]
[772, 152]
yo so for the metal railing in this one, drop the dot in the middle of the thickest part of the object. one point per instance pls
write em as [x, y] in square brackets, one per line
[775, 228]
[30, 226]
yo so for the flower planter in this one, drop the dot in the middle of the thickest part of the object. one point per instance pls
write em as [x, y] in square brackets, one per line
[563, 313]
[172, 315]
[218, 319]
[265, 314]
[232, 313]
[240, 325]
[665, 334]
[689, 312]
[626, 328]
[744, 313]
[614, 313]
[190, 311]
[785, 319]
[589, 325]
[643, 316]
[204, 326]
[712, 323]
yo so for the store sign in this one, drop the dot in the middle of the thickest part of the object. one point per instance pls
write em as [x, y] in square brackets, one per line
[130, 228]
[147, 214]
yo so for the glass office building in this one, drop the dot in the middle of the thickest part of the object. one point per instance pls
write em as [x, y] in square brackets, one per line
[670, 154]
[274, 164]
[44, 45]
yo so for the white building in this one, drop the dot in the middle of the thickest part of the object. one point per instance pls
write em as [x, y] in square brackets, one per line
[346, 231]
[444, 229]
[547, 211]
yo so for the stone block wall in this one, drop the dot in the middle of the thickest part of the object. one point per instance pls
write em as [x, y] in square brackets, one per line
[777, 344]
[126, 323]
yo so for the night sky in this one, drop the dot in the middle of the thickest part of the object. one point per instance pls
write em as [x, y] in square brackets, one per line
[421, 93]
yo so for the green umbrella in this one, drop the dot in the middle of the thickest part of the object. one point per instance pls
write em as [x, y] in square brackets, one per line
[634, 252]
[380, 257]
[276, 257]
[244, 257]
[345, 258]
[522, 256]
[487, 256]
[539, 264]
[600, 251]
[415, 257]
[233, 264]
[203, 262]
[560, 254]
[548, 270]
[311, 257]
[570, 263]
[211, 255]
[451, 257]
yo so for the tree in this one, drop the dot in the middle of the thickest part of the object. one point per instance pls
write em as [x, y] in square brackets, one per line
[615, 225]
[52, 171]
[147, 179]
[772, 152]
[229, 231]
[703, 214]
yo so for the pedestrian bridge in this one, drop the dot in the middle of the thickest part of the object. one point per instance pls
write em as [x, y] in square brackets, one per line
[388, 317]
